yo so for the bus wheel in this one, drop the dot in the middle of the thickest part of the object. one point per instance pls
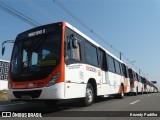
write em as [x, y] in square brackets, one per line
[51, 103]
[89, 98]
[121, 95]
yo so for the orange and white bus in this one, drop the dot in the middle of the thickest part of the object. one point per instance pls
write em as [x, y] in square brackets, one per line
[126, 77]
[140, 84]
[133, 81]
[136, 82]
[57, 61]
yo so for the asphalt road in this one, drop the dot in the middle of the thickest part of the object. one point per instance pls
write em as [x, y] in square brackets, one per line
[136, 105]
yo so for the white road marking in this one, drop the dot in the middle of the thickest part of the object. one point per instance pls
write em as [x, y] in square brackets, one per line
[134, 102]
[12, 104]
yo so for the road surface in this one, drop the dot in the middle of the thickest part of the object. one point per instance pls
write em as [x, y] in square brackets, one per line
[137, 105]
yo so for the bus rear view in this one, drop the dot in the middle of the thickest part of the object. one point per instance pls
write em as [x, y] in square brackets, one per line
[36, 69]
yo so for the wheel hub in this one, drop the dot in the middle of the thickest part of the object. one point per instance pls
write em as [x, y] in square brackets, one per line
[89, 94]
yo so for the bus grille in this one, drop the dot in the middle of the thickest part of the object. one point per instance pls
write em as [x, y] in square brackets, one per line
[33, 93]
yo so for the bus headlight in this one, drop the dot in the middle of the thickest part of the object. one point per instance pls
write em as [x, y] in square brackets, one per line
[53, 80]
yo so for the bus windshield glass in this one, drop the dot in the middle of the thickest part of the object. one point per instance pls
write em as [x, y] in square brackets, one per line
[34, 58]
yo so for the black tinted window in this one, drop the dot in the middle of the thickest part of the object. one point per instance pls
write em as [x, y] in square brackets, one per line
[130, 74]
[111, 64]
[117, 66]
[135, 77]
[102, 60]
[91, 54]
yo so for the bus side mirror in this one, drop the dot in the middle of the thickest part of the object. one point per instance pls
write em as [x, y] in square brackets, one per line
[3, 50]
[3, 47]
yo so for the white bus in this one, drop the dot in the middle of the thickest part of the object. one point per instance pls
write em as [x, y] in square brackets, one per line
[57, 61]
[126, 77]
[146, 86]
[136, 82]
[133, 81]
[140, 84]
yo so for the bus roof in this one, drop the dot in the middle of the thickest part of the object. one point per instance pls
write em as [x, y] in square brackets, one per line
[4, 60]
[92, 41]
[82, 34]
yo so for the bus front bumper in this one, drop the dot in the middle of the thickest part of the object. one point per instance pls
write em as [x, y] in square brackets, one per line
[46, 93]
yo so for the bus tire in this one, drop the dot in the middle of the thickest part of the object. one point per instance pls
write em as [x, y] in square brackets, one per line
[89, 98]
[121, 95]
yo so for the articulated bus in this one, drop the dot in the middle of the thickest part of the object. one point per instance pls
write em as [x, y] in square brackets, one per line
[57, 61]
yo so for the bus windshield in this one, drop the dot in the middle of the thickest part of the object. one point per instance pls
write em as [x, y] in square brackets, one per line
[35, 58]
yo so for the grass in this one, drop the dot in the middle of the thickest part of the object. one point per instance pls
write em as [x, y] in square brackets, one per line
[3, 95]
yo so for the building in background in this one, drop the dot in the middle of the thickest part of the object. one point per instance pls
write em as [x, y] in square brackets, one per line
[4, 67]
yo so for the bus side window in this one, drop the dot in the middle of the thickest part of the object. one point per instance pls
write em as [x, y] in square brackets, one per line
[111, 66]
[124, 68]
[140, 80]
[127, 72]
[135, 78]
[102, 59]
[117, 67]
[72, 48]
[91, 54]
[121, 69]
